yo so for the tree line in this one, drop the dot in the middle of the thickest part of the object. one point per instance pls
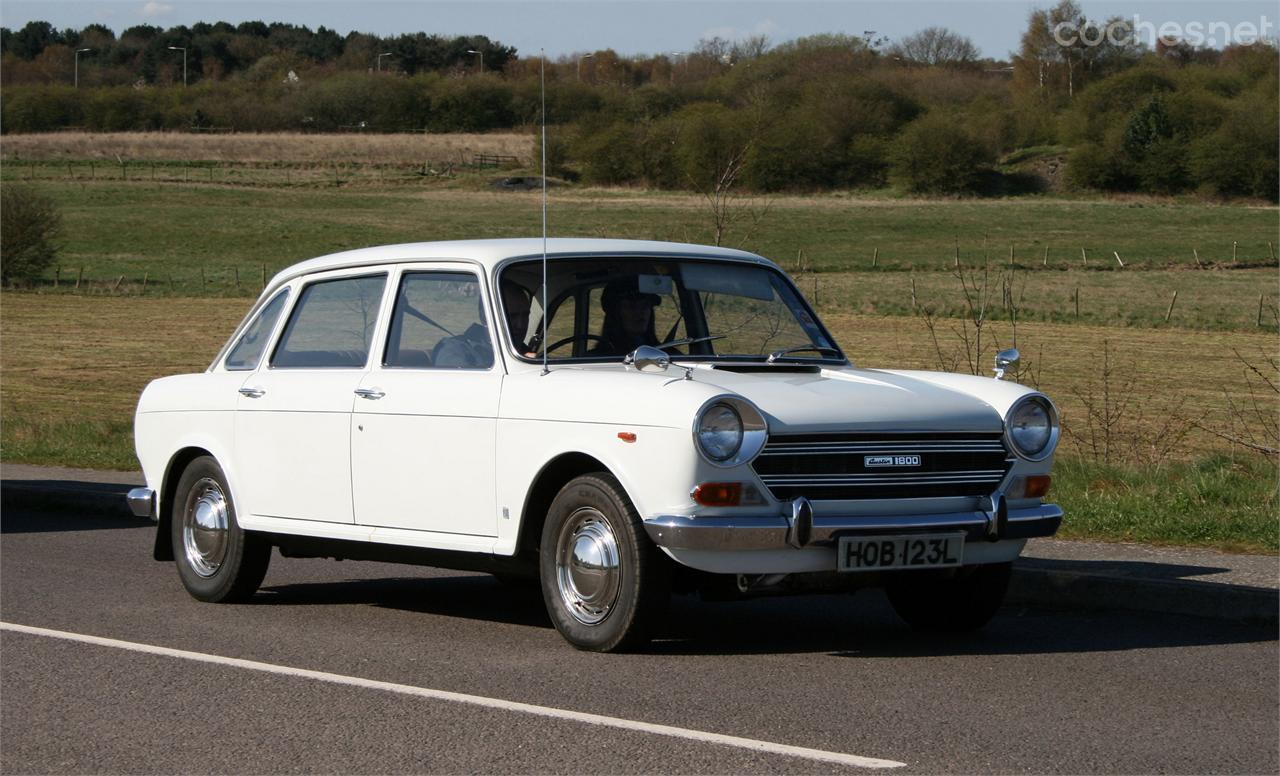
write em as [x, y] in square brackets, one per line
[926, 112]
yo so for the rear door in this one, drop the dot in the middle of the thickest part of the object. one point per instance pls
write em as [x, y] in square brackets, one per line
[293, 419]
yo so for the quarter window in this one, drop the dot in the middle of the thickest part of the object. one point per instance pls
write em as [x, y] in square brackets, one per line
[332, 324]
[439, 322]
[248, 350]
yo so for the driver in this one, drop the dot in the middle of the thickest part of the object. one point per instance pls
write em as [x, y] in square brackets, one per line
[628, 317]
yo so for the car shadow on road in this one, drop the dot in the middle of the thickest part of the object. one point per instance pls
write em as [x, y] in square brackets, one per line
[858, 625]
[470, 596]
[15, 520]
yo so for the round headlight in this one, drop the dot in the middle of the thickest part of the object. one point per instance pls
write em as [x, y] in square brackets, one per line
[1031, 426]
[720, 432]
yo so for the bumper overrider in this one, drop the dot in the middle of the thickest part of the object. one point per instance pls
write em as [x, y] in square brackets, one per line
[802, 529]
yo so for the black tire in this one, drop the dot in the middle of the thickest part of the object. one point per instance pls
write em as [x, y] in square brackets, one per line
[219, 565]
[615, 604]
[963, 602]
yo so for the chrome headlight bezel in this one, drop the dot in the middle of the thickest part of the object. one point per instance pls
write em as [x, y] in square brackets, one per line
[1051, 416]
[753, 433]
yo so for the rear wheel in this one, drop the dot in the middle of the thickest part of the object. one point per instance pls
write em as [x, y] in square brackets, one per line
[963, 602]
[605, 585]
[217, 561]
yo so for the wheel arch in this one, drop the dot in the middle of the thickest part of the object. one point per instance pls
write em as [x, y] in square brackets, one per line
[550, 479]
[178, 463]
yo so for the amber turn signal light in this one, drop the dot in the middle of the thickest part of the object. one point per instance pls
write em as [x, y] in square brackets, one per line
[718, 494]
[1038, 486]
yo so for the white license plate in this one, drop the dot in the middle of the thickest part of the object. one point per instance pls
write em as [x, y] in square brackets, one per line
[875, 553]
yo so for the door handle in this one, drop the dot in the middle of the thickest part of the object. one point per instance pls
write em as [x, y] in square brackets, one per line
[253, 393]
[370, 393]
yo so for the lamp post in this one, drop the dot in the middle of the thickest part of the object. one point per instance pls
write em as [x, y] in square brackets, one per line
[674, 56]
[78, 53]
[584, 56]
[480, 56]
[184, 63]
[380, 56]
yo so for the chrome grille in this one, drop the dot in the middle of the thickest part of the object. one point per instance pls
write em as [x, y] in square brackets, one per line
[833, 466]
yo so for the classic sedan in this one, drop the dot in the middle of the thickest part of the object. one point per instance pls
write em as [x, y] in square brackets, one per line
[618, 420]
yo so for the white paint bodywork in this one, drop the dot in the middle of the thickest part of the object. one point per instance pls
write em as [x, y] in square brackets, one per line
[446, 459]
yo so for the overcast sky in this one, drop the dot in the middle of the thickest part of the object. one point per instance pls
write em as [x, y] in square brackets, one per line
[628, 27]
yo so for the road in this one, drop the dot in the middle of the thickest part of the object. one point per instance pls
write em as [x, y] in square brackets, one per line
[1038, 691]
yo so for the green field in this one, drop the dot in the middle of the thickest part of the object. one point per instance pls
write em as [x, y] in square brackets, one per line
[73, 360]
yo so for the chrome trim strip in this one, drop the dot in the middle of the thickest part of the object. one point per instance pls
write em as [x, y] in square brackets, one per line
[142, 502]
[769, 532]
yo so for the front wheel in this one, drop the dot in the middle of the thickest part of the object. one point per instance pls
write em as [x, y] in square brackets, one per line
[217, 561]
[604, 583]
[963, 602]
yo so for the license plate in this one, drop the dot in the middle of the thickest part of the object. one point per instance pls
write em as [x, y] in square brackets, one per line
[875, 553]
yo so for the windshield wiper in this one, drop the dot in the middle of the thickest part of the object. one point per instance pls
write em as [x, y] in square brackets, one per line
[777, 354]
[689, 341]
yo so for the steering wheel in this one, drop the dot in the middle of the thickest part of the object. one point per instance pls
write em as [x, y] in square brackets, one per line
[585, 338]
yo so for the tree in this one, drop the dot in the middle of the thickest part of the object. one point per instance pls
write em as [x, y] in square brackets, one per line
[934, 155]
[29, 221]
[936, 46]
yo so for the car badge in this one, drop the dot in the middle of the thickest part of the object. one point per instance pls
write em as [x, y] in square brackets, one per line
[875, 461]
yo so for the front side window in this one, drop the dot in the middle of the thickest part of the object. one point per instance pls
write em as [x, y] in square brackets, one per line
[332, 324]
[604, 308]
[248, 349]
[439, 322]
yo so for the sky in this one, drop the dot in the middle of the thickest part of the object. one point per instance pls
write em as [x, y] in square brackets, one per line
[566, 27]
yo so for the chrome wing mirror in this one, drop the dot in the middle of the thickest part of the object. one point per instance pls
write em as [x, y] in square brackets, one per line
[1005, 360]
[647, 358]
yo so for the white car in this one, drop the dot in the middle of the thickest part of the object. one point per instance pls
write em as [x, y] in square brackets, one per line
[680, 421]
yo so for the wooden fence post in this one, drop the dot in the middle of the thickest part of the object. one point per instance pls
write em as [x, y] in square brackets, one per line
[1046, 256]
[204, 282]
[57, 275]
[1010, 254]
[116, 287]
[957, 251]
[1235, 247]
[1077, 298]
[236, 270]
[1195, 252]
[1084, 257]
[264, 275]
[1259, 310]
[144, 281]
[1117, 255]
[1172, 302]
[875, 257]
[79, 277]
[913, 292]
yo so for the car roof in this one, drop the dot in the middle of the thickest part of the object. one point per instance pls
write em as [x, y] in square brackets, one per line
[490, 253]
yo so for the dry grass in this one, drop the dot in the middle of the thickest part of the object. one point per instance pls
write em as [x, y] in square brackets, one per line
[88, 359]
[253, 148]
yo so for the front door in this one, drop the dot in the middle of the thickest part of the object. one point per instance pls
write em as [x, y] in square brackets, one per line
[423, 427]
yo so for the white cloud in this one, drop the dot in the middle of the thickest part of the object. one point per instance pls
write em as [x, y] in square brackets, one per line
[155, 8]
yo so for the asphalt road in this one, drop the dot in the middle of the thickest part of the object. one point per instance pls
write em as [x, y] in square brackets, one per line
[1037, 691]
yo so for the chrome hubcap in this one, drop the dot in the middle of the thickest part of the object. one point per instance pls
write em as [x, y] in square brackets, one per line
[588, 568]
[204, 527]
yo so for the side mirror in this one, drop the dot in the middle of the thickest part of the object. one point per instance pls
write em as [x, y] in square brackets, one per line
[647, 358]
[1005, 360]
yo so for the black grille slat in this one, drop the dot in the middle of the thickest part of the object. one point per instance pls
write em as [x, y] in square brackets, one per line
[832, 466]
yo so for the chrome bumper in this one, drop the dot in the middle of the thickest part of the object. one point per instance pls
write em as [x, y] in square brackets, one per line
[773, 532]
[142, 502]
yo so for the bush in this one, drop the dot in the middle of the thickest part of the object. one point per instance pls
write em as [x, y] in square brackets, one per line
[934, 155]
[28, 223]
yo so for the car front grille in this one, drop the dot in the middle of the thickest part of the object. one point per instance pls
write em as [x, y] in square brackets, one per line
[843, 466]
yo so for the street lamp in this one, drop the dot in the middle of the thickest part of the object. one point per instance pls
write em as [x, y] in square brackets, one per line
[584, 56]
[184, 63]
[380, 56]
[480, 55]
[78, 53]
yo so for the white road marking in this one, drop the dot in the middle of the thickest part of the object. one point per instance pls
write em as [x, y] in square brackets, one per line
[473, 700]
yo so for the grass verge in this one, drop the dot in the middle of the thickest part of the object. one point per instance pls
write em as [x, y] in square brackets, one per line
[1219, 501]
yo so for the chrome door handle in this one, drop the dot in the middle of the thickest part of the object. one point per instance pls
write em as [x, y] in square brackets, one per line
[370, 393]
[253, 393]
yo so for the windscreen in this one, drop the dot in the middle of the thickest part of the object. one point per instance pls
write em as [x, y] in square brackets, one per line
[601, 309]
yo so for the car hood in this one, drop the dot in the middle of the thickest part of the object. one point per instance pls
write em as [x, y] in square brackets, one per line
[863, 399]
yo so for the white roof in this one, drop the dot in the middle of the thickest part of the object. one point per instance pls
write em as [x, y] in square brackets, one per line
[490, 252]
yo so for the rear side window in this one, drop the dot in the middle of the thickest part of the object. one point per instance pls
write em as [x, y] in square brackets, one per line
[248, 350]
[331, 325]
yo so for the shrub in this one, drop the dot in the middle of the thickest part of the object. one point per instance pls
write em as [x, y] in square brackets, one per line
[28, 223]
[934, 155]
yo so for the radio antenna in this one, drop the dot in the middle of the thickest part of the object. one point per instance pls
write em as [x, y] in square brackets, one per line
[542, 77]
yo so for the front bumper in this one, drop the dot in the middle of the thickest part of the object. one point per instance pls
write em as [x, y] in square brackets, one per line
[775, 532]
